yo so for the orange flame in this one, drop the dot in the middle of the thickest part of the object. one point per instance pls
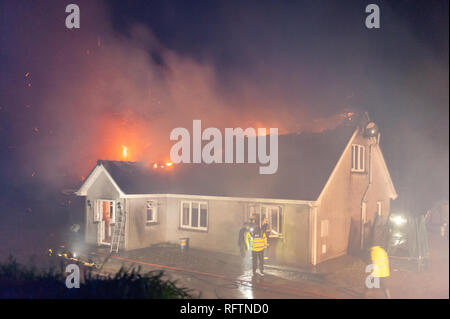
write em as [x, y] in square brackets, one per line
[124, 151]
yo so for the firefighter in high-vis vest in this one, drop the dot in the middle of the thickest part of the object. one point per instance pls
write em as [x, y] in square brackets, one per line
[380, 262]
[258, 244]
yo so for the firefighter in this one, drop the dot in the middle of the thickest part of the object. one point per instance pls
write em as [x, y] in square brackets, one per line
[253, 224]
[244, 239]
[259, 244]
[380, 261]
[265, 227]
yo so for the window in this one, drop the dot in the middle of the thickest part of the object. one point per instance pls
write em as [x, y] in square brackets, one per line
[358, 158]
[151, 212]
[194, 215]
[105, 210]
[273, 215]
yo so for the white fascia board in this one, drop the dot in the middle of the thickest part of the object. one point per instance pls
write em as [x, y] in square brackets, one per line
[89, 181]
[350, 142]
[224, 198]
[394, 194]
[93, 177]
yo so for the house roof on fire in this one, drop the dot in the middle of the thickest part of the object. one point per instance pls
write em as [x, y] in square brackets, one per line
[305, 163]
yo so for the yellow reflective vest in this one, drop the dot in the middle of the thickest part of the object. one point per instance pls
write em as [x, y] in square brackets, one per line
[248, 238]
[380, 262]
[259, 243]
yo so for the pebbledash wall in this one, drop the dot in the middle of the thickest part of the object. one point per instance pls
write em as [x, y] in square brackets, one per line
[339, 215]
[226, 216]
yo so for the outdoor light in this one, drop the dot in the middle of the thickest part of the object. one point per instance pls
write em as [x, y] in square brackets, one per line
[398, 239]
[398, 220]
[370, 129]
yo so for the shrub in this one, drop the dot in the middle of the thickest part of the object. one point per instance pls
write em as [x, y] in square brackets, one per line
[27, 282]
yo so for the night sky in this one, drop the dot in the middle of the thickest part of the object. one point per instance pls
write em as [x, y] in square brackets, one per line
[137, 69]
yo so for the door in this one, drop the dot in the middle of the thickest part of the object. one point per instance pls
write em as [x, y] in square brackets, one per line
[107, 217]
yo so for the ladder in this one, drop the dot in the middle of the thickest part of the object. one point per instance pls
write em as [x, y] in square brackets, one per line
[119, 230]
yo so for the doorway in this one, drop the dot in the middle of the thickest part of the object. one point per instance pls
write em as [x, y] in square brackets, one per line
[107, 217]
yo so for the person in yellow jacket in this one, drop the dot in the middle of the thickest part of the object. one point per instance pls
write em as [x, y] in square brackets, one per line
[380, 262]
[258, 244]
[244, 239]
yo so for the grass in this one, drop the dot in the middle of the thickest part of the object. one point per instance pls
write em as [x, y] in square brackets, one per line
[27, 282]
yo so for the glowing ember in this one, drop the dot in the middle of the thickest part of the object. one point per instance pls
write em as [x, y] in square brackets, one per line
[162, 165]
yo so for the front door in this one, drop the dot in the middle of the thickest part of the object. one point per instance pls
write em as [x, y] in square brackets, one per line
[107, 218]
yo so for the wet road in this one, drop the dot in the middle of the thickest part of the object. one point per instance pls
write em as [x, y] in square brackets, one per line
[275, 284]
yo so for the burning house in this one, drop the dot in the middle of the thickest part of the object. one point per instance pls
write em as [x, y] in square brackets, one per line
[320, 203]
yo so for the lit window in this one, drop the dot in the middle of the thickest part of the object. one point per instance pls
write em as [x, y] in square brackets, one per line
[358, 158]
[194, 215]
[272, 213]
[151, 212]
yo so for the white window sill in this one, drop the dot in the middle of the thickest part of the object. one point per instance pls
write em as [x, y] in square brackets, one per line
[198, 229]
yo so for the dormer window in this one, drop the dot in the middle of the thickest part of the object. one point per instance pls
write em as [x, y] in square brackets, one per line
[358, 158]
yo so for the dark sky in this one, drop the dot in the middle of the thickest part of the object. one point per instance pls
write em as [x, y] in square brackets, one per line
[141, 68]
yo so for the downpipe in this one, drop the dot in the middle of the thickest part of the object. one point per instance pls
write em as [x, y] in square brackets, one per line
[364, 198]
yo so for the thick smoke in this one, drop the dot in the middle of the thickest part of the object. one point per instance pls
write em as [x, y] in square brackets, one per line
[82, 94]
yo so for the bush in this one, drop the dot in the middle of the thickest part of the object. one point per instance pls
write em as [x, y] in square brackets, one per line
[27, 282]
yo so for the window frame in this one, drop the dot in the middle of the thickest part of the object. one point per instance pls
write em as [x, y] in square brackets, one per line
[191, 204]
[258, 210]
[358, 163]
[154, 208]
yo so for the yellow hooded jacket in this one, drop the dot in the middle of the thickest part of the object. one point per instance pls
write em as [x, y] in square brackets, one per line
[380, 262]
